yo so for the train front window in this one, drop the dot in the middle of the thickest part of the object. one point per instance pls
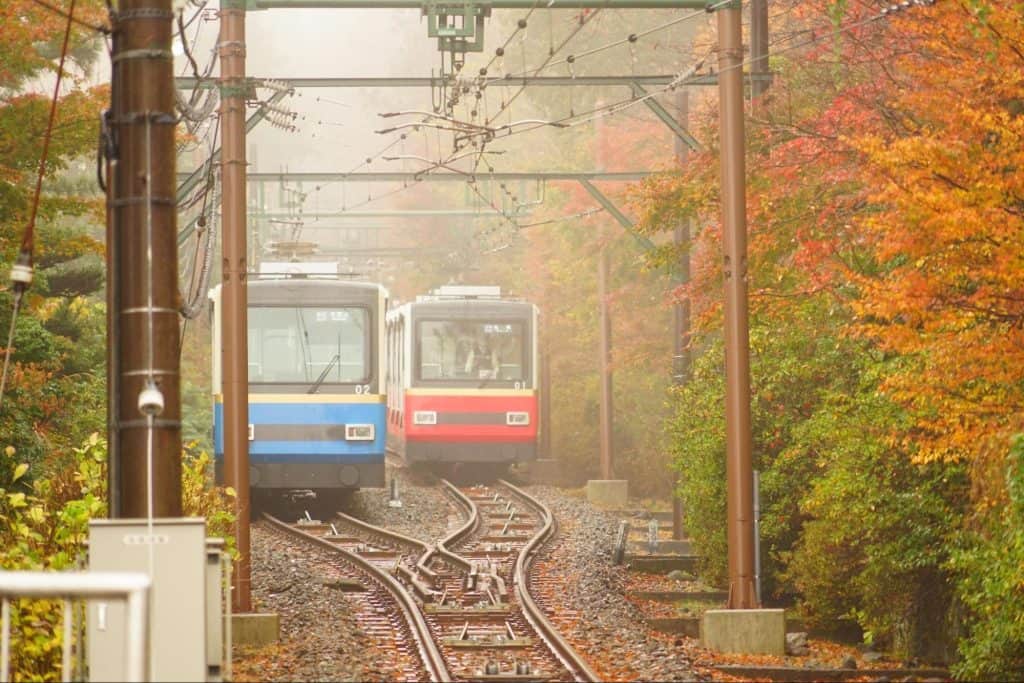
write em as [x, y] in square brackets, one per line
[307, 345]
[471, 350]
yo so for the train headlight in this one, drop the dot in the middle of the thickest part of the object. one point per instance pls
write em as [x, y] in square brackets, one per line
[424, 417]
[357, 432]
[517, 419]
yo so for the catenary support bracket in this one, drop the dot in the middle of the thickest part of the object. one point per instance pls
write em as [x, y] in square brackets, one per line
[610, 207]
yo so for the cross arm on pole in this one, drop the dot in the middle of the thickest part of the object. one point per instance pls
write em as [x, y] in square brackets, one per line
[413, 177]
[610, 207]
[494, 4]
[190, 82]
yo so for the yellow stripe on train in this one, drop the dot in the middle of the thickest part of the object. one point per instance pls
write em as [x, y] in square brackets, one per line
[470, 390]
[310, 398]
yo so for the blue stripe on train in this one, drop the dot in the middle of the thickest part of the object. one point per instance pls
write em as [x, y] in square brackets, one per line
[309, 414]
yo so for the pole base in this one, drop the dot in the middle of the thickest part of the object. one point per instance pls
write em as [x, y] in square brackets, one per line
[255, 628]
[608, 493]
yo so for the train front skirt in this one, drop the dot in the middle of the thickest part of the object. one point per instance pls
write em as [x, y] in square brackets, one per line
[311, 441]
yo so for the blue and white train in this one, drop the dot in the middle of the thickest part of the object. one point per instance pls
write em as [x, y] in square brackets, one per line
[316, 383]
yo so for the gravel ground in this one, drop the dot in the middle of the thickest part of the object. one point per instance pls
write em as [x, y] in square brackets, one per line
[320, 639]
[426, 513]
[610, 631]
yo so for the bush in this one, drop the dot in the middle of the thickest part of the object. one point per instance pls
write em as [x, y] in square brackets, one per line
[876, 540]
[990, 583]
[44, 523]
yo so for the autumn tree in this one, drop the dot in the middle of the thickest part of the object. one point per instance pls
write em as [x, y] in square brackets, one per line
[54, 394]
[829, 435]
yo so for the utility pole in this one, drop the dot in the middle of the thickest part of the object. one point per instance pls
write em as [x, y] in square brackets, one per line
[759, 70]
[606, 420]
[681, 336]
[607, 454]
[234, 314]
[142, 260]
[545, 397]
[738, 469]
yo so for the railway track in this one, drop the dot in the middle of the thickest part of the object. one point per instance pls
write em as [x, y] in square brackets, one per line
[471, 588]
[385, 609]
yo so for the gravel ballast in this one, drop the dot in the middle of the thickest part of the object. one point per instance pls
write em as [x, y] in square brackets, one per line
[610, 631]
[321, 639]
[318, 622]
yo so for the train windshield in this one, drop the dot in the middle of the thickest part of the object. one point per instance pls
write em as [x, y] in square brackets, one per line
[308, 345]
[471, 350]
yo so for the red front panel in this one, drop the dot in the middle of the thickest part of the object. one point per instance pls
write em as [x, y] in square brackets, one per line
[470, 417]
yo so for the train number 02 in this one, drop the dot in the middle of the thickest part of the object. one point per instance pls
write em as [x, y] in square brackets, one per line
[362, 388]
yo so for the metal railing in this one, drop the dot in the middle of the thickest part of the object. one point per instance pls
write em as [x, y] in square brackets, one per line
[131, 587]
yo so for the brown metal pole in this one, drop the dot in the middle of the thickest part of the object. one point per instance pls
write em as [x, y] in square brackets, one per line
[234, 318]
[545, 400]
[681, 338]
[759, 47]
[607, 455]
[739, 473]
[143, 288]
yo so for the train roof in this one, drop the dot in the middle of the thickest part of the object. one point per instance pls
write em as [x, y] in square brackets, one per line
[307, 290]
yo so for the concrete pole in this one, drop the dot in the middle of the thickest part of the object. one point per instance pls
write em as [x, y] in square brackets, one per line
[607, 431]
[143, 265]
[234, 314]
[681, 336]
[739, 472]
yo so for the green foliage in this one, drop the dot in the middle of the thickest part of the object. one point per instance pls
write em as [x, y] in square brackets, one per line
[873, 547]
[989, 567]
[44, 523]
[43, 526]
[200, 497]
[698, 447]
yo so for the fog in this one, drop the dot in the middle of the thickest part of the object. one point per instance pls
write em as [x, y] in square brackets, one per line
[336, 129]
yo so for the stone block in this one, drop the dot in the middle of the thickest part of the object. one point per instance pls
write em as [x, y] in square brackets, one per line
[255, 628]
[665, 547]
[662, 564]
[745, 631]
[608, 493]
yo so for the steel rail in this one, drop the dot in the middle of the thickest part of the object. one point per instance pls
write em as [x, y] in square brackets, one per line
[394, 536]
[431, 656]
[426, 550]
[466, 529]
[562, 649]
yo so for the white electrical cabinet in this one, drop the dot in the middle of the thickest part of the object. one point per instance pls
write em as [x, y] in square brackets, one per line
[184, 638]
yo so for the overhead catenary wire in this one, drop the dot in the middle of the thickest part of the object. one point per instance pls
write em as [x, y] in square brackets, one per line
[573, 119]
[631, 38]
[576, 119]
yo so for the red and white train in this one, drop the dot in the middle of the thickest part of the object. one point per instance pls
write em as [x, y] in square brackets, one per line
[462, 378]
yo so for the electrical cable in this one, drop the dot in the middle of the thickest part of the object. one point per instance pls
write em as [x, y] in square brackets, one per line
[632, 38]
[22, 270]
[106, 30]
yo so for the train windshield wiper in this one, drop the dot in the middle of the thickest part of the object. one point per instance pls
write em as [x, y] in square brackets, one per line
[323, 375]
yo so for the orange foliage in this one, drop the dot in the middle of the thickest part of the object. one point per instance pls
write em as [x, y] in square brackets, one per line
[948, 226]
